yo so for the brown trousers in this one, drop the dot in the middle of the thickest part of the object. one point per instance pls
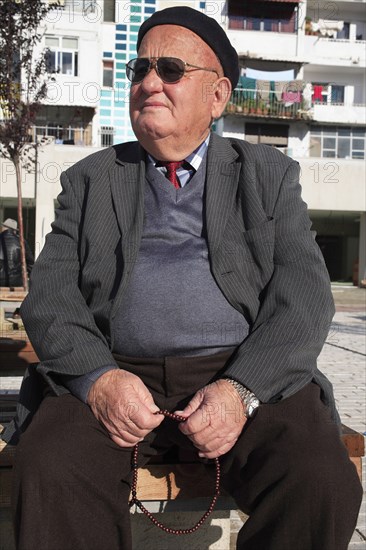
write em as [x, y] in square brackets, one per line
[289, 469]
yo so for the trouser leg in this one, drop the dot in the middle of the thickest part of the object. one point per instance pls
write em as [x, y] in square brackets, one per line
[291, 473]
[71, 482]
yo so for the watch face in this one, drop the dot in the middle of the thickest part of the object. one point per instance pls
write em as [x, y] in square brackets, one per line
[252, 406]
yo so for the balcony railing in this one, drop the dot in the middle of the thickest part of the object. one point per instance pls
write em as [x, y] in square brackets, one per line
[247, 23]
[72, 135]
[64, 135]
[256, 103]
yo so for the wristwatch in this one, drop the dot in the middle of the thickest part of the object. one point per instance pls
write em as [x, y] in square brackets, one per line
[249, 400]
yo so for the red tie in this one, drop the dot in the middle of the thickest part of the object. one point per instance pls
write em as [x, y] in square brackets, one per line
[171, 171]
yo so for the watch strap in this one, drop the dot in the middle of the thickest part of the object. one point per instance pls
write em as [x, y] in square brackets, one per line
[248, 398]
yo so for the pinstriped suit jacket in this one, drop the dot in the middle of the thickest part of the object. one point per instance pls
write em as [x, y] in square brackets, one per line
[262, 253]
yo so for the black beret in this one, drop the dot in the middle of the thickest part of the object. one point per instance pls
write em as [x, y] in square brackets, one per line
[205, 27]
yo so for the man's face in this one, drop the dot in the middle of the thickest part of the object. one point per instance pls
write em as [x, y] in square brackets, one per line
[178, 113]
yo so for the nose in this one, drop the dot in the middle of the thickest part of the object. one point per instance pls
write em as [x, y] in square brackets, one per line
[152, 81]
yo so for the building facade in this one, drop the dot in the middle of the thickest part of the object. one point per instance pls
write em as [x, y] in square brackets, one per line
[301, 90]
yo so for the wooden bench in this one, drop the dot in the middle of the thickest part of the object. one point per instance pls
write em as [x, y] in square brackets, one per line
[12, 293]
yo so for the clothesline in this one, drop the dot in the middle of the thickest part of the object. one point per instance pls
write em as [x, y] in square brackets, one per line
[267, 90]
[292, 91]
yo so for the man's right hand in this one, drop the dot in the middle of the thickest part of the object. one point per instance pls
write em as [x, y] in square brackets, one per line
[124, 405]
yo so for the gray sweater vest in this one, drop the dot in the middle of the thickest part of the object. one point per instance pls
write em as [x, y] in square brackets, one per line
[173, 306]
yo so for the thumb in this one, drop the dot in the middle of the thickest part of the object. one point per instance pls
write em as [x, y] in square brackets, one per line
[153, 408]
[147, 399]
[192, 406]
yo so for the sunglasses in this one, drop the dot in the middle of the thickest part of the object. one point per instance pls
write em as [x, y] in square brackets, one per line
[169, 69]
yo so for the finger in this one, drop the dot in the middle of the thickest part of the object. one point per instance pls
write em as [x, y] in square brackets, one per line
[209, 444]
[193, 405]
[194, 427]
[197, 423]
[135, 415]
[125, 431]
[217, 452]
[124, 442]
[122, 426]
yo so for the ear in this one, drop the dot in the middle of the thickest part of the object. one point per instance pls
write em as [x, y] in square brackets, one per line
[222, 93]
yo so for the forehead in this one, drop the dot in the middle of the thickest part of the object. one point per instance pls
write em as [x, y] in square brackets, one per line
[173, 40]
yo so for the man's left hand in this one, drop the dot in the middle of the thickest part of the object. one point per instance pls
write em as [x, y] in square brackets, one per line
[215, 419]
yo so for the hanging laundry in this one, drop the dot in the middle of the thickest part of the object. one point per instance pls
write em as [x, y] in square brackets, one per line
[317, 93]
[292, 92]
[263, 87]
[279, 86]
[249, 86]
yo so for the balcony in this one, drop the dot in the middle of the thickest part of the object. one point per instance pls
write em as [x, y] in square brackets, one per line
[263, 28]
[261, 103]
[63, 135]
[339, 112]
[245, 23]
[335, 51]
[297, 99]
[73, 135]
[273, 46]
[262, 15]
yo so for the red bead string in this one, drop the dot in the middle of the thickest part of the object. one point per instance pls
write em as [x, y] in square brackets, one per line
[138, 503]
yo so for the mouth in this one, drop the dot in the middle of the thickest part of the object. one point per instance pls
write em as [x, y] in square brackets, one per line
[153, 105]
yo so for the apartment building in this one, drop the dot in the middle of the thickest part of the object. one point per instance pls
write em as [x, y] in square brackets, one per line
[301, 89]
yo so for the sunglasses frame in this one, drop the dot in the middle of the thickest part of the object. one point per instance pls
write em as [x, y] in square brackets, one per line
[153, 64]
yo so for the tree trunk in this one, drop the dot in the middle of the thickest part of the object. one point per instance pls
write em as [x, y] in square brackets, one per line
[16, 161]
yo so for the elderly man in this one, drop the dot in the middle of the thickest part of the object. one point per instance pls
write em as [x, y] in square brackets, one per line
[181, 274]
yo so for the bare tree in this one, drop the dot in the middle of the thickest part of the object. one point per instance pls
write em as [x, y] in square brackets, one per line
[23, 85]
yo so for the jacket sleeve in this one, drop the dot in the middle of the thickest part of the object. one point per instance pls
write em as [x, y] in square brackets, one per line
[296, 307]
[58, 321]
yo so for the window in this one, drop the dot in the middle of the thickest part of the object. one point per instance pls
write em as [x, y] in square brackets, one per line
[344, 33]
[109, 11]
[270, 134]
[106, 136]
[108, 68]
[328, 93]
[337, 142]
[62, 56]
[336, 94]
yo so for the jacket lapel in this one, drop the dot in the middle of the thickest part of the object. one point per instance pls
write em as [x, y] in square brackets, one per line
[221, 186]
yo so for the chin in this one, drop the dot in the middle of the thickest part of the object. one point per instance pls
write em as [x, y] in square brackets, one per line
[158, 121]
[150, 131]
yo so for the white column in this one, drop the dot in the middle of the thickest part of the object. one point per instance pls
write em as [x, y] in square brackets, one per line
[44, 195]
[349, 94]
[352, 32]
[362, 249]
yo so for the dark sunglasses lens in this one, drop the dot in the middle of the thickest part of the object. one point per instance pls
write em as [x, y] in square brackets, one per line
[170, 69]
[137, 69]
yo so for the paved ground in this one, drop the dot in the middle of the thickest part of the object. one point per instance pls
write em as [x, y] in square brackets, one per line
[343, 361]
